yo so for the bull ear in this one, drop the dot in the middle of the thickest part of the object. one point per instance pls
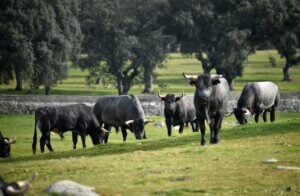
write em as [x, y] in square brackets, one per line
[215, 78]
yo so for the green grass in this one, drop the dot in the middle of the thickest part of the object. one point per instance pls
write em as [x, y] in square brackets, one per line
[169, 79]
[164, 165]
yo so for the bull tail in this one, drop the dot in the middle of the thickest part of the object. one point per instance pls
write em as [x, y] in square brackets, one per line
[34, 135]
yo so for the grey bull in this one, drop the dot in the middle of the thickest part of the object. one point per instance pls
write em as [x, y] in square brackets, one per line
[179, 110]
[210, 100]
[257, 98]
[123, 111]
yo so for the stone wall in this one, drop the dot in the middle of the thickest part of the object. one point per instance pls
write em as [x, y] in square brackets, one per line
[153, 106]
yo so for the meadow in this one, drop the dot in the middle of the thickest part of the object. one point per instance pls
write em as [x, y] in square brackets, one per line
[169, 78]
[163, 165]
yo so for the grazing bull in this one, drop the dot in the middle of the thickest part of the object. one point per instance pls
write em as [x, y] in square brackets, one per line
[210, 100]
[179, 110]
[123, 111]
[15, 188]
[257, 98]
[77, 118]
[5, 146]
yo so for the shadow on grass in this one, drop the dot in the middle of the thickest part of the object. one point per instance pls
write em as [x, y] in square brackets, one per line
[239, 132]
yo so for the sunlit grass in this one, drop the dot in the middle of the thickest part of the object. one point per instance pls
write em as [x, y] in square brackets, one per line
[164, 165]
[169, 78]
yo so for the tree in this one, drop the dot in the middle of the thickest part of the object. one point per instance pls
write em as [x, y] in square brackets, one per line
[277, 23]
[211, 30]
[123, 40]
[152, 46]
[37, 38]
[57, 38]
[15, 46]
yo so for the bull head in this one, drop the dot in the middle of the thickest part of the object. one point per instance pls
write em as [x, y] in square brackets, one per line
[242, 115]
[163, 98]
[18, 188]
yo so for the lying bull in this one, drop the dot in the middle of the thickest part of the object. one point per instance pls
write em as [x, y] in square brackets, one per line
[257, 98]
[210, 100]
[5, 146]
[179, 110]
[77, 118]
[123, 111]
[15, 188]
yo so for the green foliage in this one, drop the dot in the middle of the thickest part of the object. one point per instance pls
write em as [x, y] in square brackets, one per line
[36, 40]
[210, 29]
[164, 165]
[126, 35]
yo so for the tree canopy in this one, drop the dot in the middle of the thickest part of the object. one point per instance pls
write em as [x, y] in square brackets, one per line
[123, 39]
[36, 40]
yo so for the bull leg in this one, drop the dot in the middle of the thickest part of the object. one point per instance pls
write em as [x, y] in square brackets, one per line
[265, 116]
[272, 113]
[43, 142]
[83, 136]
[124, 132]
[195, 126]
[169, 127]
[256, 116]
[201, 122]
[216, 128]
[75, 139]
[212, 131]
[108, 128]
[181, 126]
[48, 143]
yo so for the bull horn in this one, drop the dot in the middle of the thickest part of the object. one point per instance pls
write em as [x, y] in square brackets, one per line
[229, 114]
[158, 93]
[148, 121]
[105, 130]
[128, 122]
[193, 77]
[216, 76]
[24, 186]
[10, 141]
[182, 94]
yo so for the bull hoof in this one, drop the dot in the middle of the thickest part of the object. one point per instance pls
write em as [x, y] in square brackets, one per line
[203, 142]
[215, 141]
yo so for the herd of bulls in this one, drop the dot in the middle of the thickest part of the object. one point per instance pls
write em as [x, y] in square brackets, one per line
[125, 112]
[209, 104]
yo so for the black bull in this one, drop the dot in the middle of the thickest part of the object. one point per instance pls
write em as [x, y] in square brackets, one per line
[179, 110]
[77, 118]
[210, 100]
[5, 146]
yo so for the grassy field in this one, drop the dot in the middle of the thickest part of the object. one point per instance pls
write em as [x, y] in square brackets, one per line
[164, 165]
[169, 79]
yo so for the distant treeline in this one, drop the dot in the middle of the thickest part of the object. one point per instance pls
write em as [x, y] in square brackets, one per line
[126, 40]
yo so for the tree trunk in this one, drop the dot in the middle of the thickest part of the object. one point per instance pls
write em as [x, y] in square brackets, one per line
[287, 71]
[19, 79]
[148, 81]
[231, 84]
[47, 90]
[119, 86]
